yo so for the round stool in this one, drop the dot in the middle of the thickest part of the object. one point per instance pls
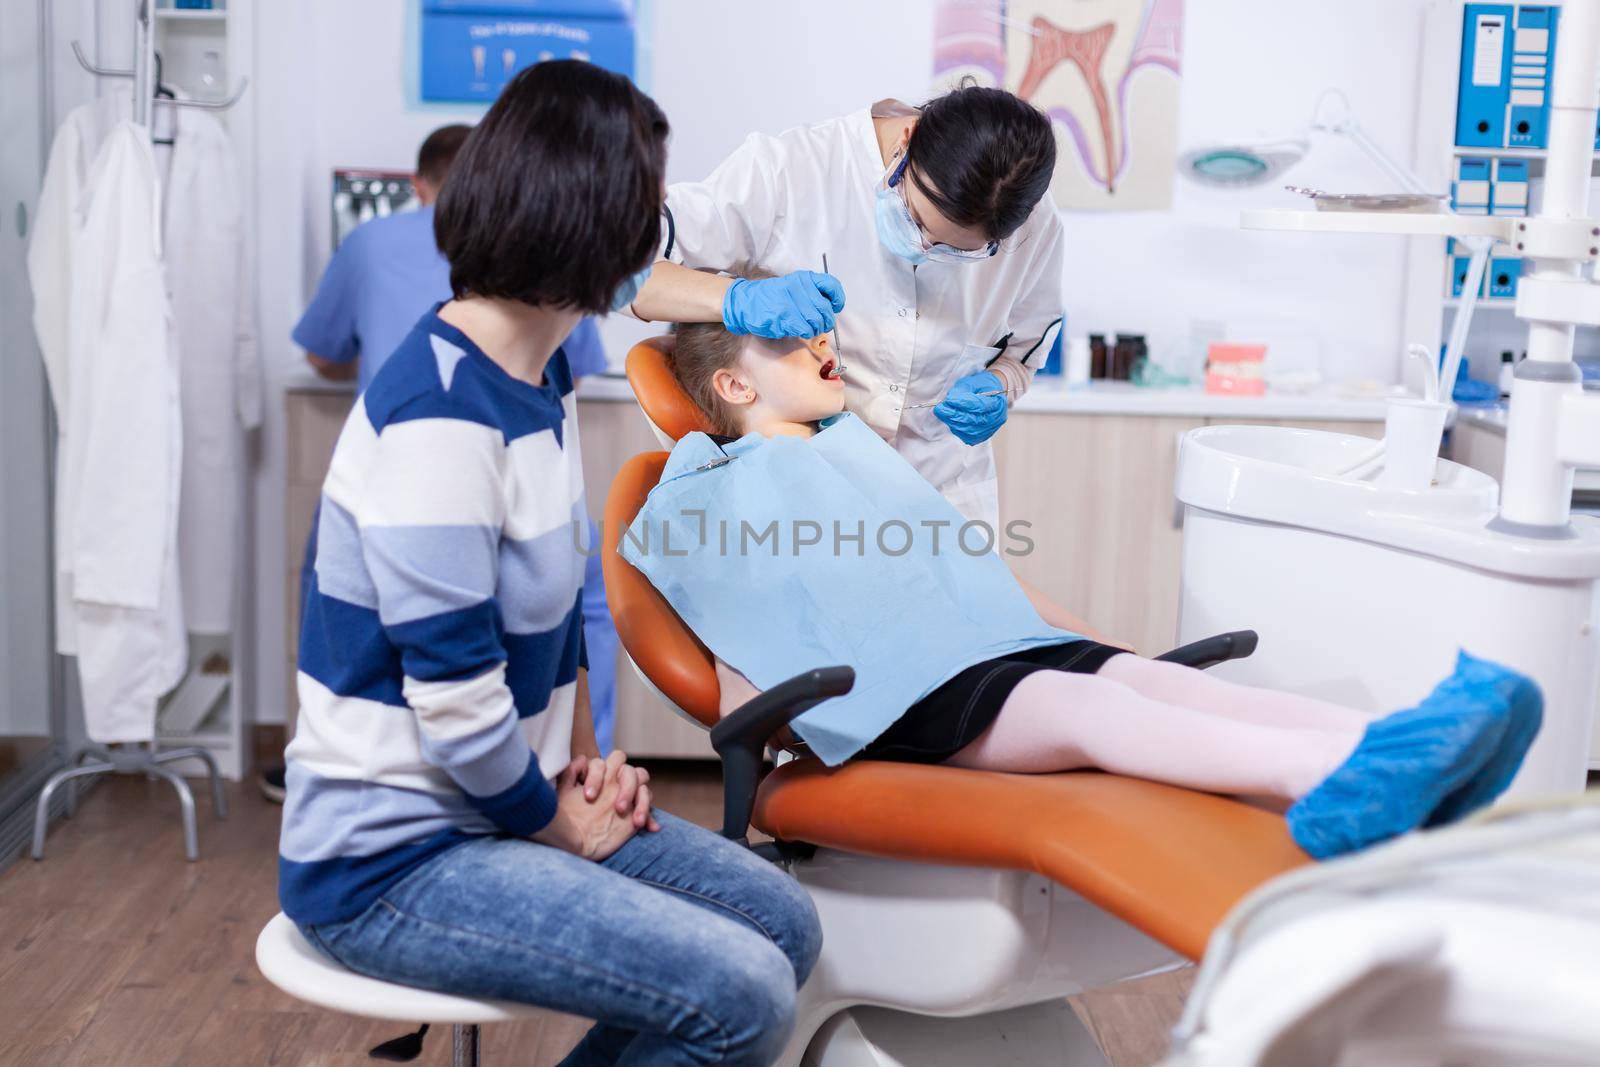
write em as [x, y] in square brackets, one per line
[294, 965]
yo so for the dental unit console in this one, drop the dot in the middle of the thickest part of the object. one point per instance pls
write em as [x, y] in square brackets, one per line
[1410, 574]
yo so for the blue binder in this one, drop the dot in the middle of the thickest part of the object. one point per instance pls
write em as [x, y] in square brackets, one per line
[1509, 190]
[1485, 76]
[1533, 49]
[1470, 191]
[1508, 196]
[1502, 276]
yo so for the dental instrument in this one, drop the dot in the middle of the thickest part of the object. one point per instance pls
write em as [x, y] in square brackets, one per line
[837, 370]
[936, 403]
[1423, 203]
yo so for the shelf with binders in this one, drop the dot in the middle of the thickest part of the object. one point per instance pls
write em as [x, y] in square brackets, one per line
[1482, 64]
[191, 9]
[180, 14]
[1534, 157]
[1492, 303]
[1494, 185]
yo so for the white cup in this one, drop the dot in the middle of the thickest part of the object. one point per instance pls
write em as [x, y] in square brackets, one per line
[1077, 361]
[1411, 435]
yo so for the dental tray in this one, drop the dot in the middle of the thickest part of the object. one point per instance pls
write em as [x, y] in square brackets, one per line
[1407, 203]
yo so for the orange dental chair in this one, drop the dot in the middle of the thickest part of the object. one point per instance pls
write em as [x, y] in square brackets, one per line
[959, 908]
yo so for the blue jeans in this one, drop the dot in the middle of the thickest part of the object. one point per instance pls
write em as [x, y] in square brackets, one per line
[687, 948]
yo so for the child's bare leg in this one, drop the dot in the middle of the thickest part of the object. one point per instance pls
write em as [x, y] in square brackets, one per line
[1054, 721]
[1172, 683]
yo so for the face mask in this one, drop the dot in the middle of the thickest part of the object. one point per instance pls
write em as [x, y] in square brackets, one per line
[897, 230]
[899, 233]
[629, 289]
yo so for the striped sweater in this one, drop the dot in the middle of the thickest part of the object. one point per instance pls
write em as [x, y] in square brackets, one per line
[441, 632]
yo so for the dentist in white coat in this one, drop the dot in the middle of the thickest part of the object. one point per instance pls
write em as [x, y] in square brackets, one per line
[933, 221]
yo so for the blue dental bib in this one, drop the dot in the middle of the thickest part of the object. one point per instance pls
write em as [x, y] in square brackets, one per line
[784, 554]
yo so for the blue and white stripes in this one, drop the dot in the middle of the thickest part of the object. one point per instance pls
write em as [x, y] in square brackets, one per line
[441, 634]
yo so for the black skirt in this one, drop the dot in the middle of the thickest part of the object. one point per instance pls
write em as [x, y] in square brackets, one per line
[951, 717]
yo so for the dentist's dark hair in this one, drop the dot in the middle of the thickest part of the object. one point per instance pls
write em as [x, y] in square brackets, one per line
[555, 198]
[984, 158]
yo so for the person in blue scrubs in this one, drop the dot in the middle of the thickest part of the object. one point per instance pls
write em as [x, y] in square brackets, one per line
[387, 274]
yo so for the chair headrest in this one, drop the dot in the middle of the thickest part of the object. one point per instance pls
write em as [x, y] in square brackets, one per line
[665, 404]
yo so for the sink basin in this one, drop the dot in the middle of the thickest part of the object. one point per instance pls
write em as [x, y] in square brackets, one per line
[1291, 475]
[1363, 594]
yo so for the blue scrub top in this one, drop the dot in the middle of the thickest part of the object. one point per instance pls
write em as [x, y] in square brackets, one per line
[384, 277]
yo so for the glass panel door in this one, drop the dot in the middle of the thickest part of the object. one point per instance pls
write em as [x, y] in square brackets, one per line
[30, 718]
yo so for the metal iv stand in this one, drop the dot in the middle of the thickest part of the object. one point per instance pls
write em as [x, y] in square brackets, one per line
[141, 757]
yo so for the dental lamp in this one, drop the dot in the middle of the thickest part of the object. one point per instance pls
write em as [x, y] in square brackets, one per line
[1250, 163]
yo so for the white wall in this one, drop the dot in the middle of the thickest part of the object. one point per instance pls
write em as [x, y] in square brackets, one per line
[330, 90]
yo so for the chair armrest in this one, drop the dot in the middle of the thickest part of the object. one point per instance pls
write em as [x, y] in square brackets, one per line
[1210, 651]
[740, 737]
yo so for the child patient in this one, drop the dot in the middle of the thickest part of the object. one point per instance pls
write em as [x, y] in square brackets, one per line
[988, 674]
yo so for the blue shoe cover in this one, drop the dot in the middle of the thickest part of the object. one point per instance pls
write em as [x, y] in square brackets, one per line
[1405, 766]
[1527, 715]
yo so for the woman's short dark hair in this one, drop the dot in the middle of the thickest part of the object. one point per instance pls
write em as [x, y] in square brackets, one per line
[984, 158]
[555, 198]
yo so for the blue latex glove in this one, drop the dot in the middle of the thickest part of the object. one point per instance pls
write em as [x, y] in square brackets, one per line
[972, 417]
[1449, 754]
[800, 304]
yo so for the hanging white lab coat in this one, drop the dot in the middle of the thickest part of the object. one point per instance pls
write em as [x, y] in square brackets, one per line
[211, 337]
[50, 260]
[104, 327]
[210, 288]
[907, 333]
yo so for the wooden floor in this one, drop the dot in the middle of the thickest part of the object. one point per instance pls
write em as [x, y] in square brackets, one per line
[116, 952]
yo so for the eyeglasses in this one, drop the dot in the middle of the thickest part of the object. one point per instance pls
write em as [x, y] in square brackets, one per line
[932, 249]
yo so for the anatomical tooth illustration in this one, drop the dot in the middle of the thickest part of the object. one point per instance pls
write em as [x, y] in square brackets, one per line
[1104, 71]
[1085, 50]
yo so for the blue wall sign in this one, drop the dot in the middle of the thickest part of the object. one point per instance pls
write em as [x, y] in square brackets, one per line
[471, 48]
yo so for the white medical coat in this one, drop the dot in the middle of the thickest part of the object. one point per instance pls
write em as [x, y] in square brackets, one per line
[207, 334]
[907, 332]
[104, 327]
[213, 316]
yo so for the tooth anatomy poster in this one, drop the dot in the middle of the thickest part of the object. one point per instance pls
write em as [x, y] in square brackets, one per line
[1105, 71]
